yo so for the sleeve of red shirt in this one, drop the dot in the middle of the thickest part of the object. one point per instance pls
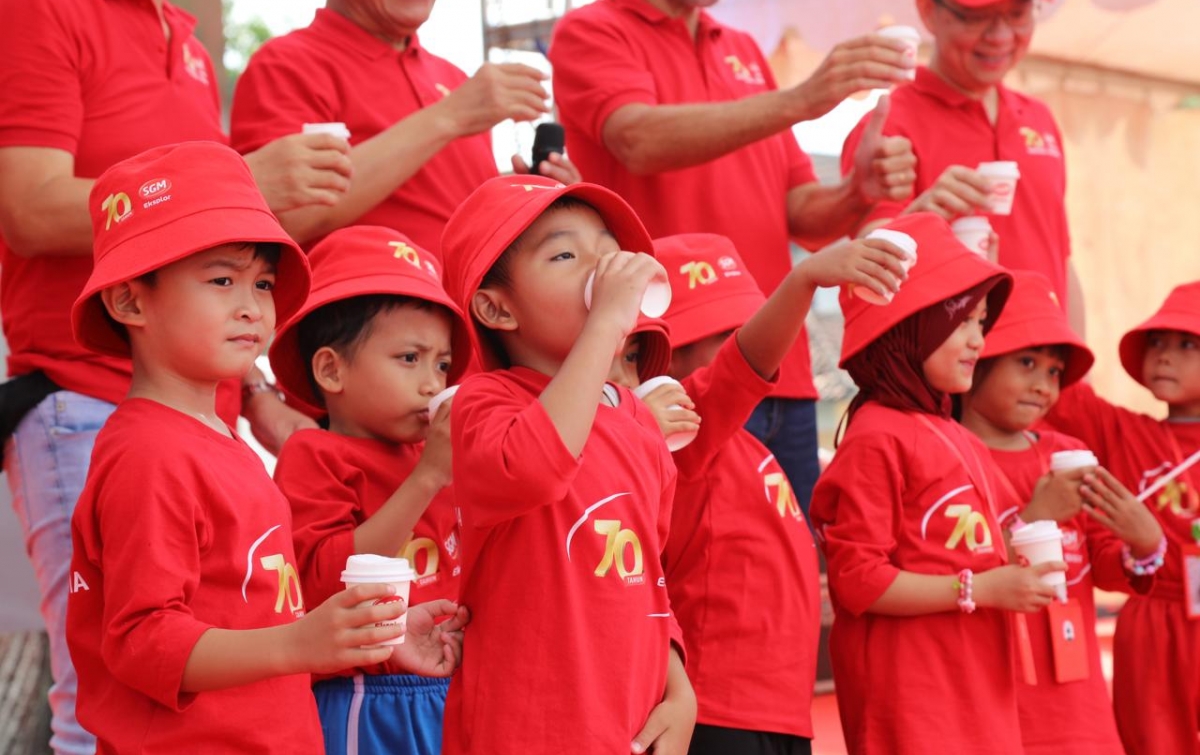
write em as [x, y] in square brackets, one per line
[508, 456]
[276, 96]
[153, 529]
[324, 510]
[1105, 555]
[41, 103]
[858, 496]
[725, 392]
[884, 209]
[596, 71]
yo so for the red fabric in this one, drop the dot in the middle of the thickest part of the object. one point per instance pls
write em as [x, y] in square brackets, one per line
[893, 499]
[948, 128]
[334, 483]
[1033, 318]
[619, 52]
[1180, 311]
[711, 289]
[333, 70]
[1137, 449]
[170, 517]
[1074, 718]
[98, 79]
[564, 654]
[741, 565]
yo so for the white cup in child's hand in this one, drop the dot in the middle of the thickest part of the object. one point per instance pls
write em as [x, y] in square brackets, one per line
[369, 569]
[1039, 542]
[906, 244]
[677, 440]
[436, 402]
[654, 302]
[333, 129]
[1064, 461]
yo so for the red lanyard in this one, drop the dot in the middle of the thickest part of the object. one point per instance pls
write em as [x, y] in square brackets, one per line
[976, 474]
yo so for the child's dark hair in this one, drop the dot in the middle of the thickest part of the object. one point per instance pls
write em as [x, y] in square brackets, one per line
[500, 273]
[344, 325]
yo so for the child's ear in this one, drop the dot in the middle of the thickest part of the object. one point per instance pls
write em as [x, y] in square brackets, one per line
[328, 369]
[123, 304]
[490, 308]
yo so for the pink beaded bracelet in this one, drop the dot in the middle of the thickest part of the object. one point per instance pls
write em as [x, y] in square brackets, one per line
[1144, 567]
[965, 603]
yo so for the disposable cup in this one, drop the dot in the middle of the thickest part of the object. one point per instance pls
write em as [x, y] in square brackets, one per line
[677, 440]
[912, 41]
[974, 232]
[1039, 542]
[907, 244]
[333, 129]
[654, 302]
[436, 401]
[369, 569]
[1003, 176]
[1062, 461]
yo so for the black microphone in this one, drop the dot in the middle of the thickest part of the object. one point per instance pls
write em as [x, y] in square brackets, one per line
[548, 139]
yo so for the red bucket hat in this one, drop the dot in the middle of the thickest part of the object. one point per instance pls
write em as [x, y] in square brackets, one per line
[1031, 318]
[711, 289]
[358, 261]
[944, 268]
[654, 356]
[1181, 311]
[495, 214]
[169, 203]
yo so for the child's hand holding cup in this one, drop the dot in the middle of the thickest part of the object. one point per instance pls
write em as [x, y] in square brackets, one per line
[655, 300]
[370, 569]
[660, 386]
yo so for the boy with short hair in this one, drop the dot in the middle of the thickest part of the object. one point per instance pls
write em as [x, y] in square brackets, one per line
[376, 340]
[186, 620]
[565, 500]
[752, 642]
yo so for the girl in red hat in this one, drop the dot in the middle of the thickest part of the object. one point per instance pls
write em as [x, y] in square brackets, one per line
[1030, 354]
[1156, 650]
[907, 513]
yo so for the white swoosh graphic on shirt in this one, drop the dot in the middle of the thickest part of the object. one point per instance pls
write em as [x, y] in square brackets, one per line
[587, 512]
[250, 559]
[940, 501]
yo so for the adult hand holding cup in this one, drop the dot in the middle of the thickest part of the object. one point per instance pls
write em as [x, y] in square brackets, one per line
[1002, 175]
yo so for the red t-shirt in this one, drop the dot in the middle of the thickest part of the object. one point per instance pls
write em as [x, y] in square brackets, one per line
[946, 127]
[570, 619]
[741, 565]
[98, 79]
[334, 483]
[1138, 449]
[332, 70]
[620, 52]
[899, 497]
[1073, 718]
[180, 530]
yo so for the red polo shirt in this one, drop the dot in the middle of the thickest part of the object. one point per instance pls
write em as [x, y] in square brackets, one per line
[98, 79]
[332, 70]
[619, 52]
[946, 127]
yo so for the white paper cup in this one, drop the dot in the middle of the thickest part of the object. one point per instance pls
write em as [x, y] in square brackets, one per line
[436, 401]
[333, 129]
[369, 569]
[678, 440]
[654, 302]
[1063, 461]
[1039, 542]
[907, 244]
[974, 233]
[1003, 177]
[912, 41]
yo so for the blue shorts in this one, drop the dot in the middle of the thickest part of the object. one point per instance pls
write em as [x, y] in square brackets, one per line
[392, 714]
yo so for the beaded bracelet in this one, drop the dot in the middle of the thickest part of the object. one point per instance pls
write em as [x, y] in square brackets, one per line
[1144, 567]
[963, 583]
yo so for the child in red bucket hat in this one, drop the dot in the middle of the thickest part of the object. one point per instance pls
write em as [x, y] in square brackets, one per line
[1030, 354]
[186, 620]
[907, 514]
[734, 512]
[1156, 650]
[376, 340]
[565, 502]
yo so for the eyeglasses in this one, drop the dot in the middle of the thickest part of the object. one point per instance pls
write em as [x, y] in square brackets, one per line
[1019, 18]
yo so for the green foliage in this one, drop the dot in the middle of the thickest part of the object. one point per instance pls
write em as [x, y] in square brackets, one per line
[242, 39]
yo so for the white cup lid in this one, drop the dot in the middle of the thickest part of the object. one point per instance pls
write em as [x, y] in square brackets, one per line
[999, 169]
[647, 387]
[900, 31]
[436, 402]
[1043, 529]
[333, 129]
[368, 567]
[906, 243]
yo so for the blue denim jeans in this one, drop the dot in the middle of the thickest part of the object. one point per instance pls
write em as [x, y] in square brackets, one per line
[46, 462]
[788, 428]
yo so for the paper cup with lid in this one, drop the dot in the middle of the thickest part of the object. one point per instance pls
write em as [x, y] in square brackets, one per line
[370, 569]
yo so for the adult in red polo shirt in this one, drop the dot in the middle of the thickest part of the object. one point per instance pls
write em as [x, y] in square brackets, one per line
[680, 115]
[958, 113]
[85, 84]
[418, 124]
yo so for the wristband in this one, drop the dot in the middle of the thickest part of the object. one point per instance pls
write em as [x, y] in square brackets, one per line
[1016, 524]
[963, 583]
[1144, 567]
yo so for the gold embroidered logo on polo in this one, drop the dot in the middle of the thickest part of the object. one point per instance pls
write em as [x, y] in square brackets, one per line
[747, 74]
[1039, 143]
[118, 206]
[194, 65]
